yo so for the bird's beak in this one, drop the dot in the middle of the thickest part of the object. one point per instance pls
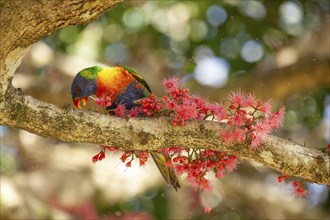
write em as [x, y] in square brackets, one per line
[77, 102]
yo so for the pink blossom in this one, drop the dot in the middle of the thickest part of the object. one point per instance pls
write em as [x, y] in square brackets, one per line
[179, 169]
[129, 163]
[100, 156]
[263, 127]
[207, 210]
[278, 117]
[227, 136]
[208, 153]
[205, 184]
[99, 101]
[220, 112]
[143, 156]
[211, 108]
[198, 100]
[135, 111]
[266, 109]
[172, 84]
[299, 189]
[257, 141]
[120, 110]
[249, 100]
[186, 111]
[170, 104]
[95, 158]
[107, 101]
[219, 172]
[261, 130]
[238, 119]
[236, 98]
[282, 177]
[125, 155]
[231, 163]
[239, 135]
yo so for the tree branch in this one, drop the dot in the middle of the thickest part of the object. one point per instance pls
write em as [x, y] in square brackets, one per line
[25, 22]
[67, 124]
[299, 77]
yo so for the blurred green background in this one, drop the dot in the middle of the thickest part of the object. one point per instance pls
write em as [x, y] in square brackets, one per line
[276, 49]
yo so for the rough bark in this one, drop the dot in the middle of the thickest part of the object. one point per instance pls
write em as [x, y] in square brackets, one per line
[25, 22]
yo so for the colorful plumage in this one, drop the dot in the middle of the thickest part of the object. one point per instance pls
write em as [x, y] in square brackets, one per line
[124, 86]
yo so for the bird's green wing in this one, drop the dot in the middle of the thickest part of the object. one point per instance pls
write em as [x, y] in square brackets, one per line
[139, 78]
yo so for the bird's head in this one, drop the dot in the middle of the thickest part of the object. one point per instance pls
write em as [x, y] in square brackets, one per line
[84, 85]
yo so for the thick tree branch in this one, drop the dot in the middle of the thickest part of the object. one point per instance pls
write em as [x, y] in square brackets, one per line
[67, 124]
[25, 22]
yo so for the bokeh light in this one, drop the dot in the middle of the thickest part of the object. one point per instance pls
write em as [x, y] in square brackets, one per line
[230, 47]
[252, 51]
[253, 9]
[212, 71]
[113, 32]
[133, 18]
[116, 53]
[216, 15]
[198, 31]
[291, 17]
[202, 52]
[291, 12]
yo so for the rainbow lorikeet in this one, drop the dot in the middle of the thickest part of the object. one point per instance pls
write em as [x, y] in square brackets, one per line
[124, 86]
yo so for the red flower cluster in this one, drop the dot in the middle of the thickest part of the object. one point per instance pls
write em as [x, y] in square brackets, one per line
[104, 101]
[299, 189]
[196, 164]
[207, 210]
[141, 155]
[282, 177]
[181, 105]
[297, 185]
[150, 106]
[127, 155]
[120, 110]
[247, 120]
[250, 120]
[101, 155]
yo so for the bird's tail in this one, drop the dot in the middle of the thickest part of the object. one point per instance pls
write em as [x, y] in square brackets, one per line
[167, 172]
